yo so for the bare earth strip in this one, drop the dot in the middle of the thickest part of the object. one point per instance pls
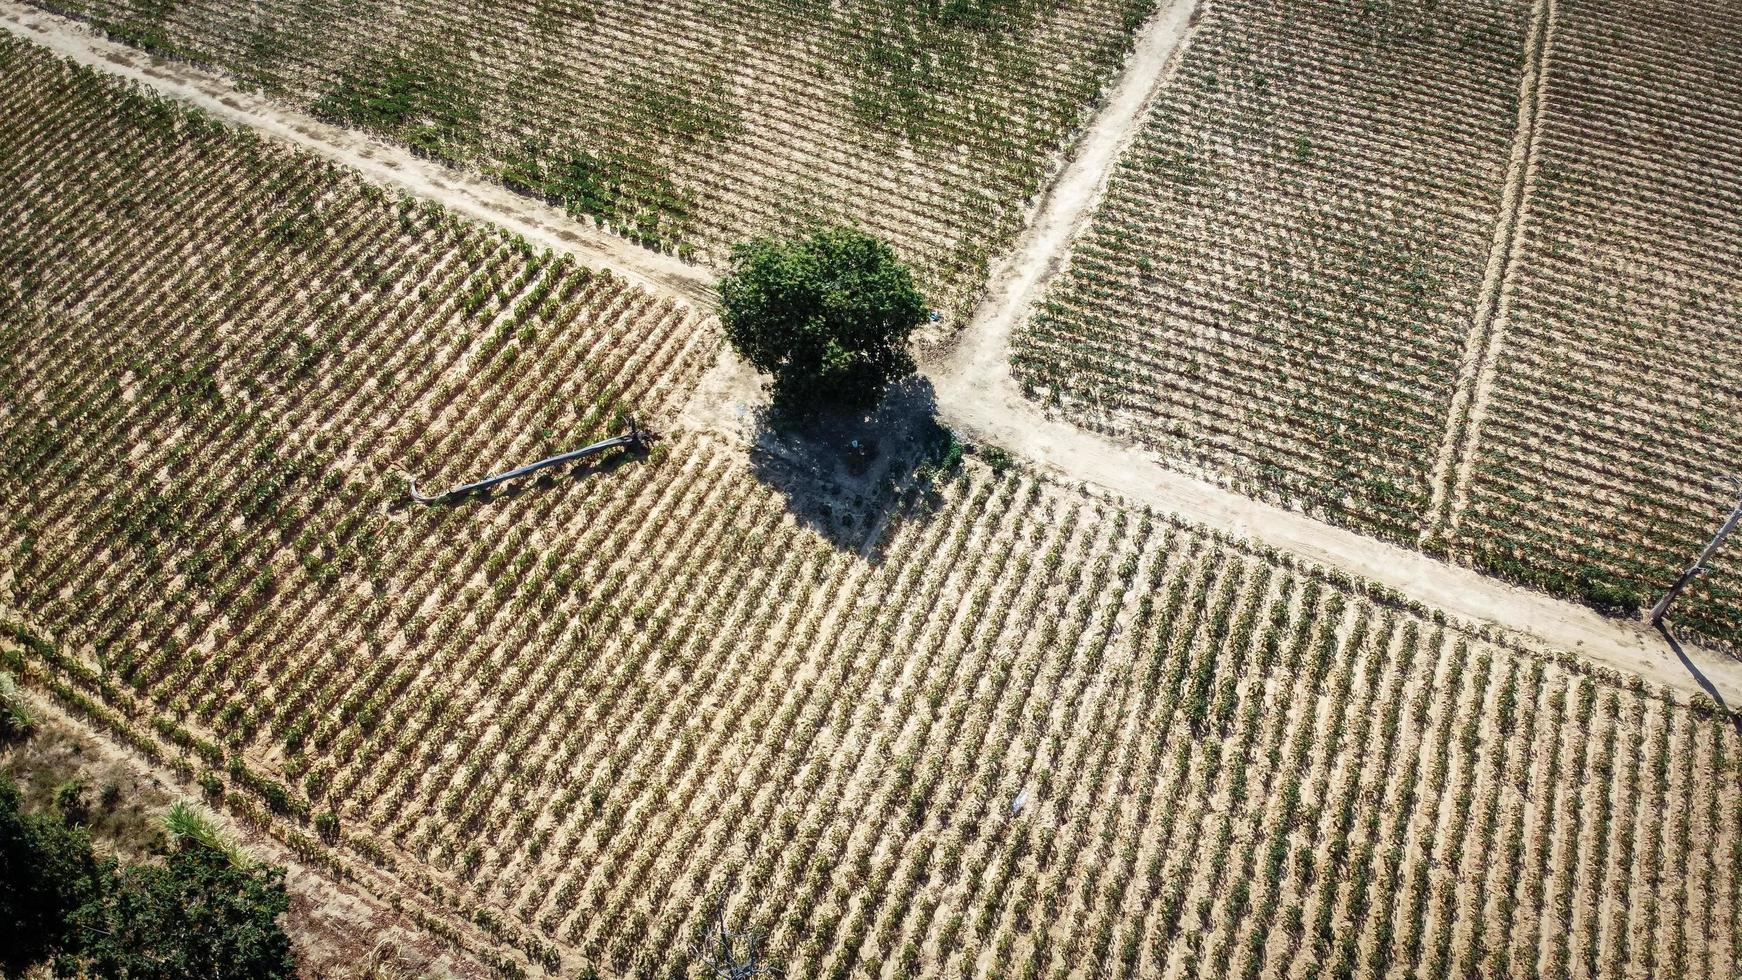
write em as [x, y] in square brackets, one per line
[1451, 478]
[393, 166]
[974, 388]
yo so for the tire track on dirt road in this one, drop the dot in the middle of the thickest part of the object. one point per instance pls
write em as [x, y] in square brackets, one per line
[385, 163]
[974, 388]
[1482, 346]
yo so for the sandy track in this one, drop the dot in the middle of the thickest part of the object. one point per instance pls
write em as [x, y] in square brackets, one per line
[1452, 468]
[974, 386]
[1017, 279]
[389, 164]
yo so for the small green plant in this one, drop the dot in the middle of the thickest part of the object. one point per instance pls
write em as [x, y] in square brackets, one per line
[998, 459]
[73, 801]
[190, 824]
[943, 460]
[16, 718]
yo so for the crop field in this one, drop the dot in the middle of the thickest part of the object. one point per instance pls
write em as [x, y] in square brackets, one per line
[559, 720]
[1277, 286]
[692, 125]
[1618, 381]
[1455, 274]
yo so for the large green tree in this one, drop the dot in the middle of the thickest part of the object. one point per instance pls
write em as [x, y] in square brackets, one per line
[201, 913]
[196, 915]
[827, 315]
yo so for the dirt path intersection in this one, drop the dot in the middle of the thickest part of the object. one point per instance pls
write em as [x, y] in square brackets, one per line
[974, 388]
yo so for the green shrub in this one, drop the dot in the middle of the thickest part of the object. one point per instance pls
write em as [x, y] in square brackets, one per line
[828, 316]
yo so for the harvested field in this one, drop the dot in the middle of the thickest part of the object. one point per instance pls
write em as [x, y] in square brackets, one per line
[556, 721]
[691, 125]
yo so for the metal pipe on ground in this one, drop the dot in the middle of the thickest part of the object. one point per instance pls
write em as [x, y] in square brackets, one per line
[634, 437]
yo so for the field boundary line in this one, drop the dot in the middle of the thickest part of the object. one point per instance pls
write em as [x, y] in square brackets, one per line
[383, 162]
[1477, 368]
[1017, 280]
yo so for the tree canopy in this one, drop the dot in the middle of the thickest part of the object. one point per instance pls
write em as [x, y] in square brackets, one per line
[198, 914]
[827, 315]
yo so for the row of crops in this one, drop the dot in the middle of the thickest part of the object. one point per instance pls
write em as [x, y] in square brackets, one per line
[559, 720]
[1280, 289]
[1612, 426]
[692, 125]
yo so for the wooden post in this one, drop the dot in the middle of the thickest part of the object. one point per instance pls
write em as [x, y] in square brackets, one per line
[1657, 611]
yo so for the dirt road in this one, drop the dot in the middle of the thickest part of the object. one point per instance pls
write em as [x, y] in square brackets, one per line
[974, 387]
[1454, 465]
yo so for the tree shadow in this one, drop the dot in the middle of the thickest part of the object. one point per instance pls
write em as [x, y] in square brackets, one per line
[843, 474]
[1700, 677]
